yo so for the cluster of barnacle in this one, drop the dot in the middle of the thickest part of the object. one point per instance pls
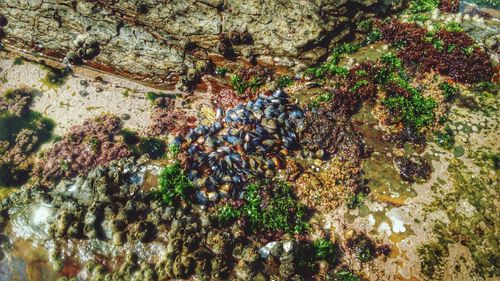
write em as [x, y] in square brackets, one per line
[448, 52]
[327, 133]
[84, 47]
[412, 169]
[227, 40]
[84, 147]
[109, 205]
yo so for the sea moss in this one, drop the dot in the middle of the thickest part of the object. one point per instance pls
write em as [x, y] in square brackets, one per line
[248, 80]
[420, 6]
[414, 112]
[432, 260]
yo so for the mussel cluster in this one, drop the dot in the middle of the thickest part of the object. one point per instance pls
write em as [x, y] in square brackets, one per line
[247, 140]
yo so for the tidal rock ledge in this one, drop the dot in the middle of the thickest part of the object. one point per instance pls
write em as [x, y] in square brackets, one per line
[158, 41]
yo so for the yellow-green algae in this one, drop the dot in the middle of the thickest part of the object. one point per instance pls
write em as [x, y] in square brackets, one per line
[474, 220]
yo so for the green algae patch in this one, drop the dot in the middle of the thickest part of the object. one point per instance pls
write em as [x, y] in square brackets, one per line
[55, 77]
[422, 6]
[18, 61]
[173, 186]
[432, 259]
[343, 275]
[474, 221]
[267, 206]
[459, 151]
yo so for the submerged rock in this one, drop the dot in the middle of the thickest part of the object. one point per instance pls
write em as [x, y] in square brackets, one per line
[412, 169]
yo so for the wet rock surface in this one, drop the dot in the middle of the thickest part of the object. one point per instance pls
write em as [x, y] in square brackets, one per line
[150, 39]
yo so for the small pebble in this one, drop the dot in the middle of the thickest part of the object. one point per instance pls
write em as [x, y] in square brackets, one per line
[99, 89]
[125, 116]
[83, 93]
[318, 162]
[84, 83]
[312, 85]
[119, 238]
[350, 234]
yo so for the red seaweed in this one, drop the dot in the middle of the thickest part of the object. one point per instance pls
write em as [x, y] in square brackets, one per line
[449, 53]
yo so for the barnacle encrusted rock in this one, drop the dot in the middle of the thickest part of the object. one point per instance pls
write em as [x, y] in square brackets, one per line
[150, 39]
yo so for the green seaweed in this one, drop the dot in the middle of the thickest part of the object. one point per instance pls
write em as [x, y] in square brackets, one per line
[432, 260]
[221, 71]
[280, 212]
[324, 249]
[414, 112]
[18, 61]
[343, 275]
[173, 150]
[284, 81]
[227, 213]
[356, 200]
[152, 96]
[449, 92]
[241, 86]
[320, 99]
[173, 185]
[453, 27]
[373, 36]
[422, 6]
[330, 66]
[55, 77]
